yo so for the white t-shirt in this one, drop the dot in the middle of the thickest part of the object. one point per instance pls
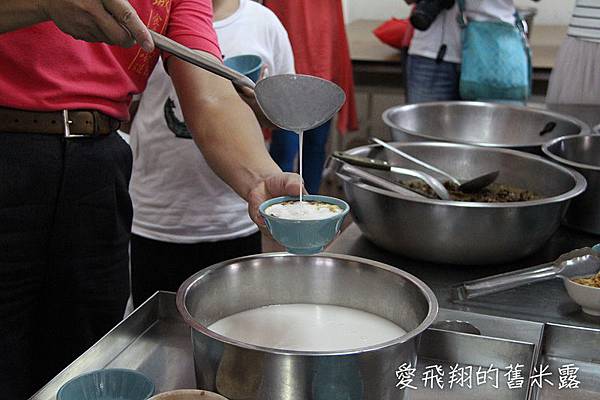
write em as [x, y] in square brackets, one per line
[176, 196]
[445, 28]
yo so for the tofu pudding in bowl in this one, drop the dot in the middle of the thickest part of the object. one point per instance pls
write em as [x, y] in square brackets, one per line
[304, 226]
[303, 210]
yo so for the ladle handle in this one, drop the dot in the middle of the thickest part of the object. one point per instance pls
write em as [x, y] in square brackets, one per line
[363, 161]
[200, 60]
[367, 162]
[416, 160]
[501, 282]
[549, 127]
[380, 182]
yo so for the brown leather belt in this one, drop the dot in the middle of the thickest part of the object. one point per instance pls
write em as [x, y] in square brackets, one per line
[76, 123]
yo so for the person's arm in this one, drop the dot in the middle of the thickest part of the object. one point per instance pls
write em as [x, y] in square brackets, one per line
[15, 14]
[89, 20]
[227, 132]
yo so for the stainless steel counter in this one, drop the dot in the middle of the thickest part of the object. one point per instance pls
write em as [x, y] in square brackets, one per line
[542, 302]
[155, 341]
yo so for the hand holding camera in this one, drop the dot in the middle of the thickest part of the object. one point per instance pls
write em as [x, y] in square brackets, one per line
[426, 11]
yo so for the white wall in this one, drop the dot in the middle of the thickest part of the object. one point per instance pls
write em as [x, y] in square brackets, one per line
[550, 12]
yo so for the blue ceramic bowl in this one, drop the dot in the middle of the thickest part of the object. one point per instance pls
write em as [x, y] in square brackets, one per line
[107, 384]
[304, 236]
[247, 64]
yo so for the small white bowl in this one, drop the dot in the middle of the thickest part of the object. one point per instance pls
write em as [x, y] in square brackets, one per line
[587, 297]
[188, 394]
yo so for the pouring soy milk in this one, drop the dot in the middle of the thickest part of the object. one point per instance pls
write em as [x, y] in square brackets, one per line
[299, 103]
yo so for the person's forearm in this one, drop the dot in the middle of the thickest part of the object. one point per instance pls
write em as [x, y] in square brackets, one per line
[223, 126]
[16, 14]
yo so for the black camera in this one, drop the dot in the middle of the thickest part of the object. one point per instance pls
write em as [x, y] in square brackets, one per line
[426, 11]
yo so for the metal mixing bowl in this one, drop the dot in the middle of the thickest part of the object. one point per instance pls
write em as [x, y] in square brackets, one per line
[478, 123]
[238, 370]
[455, 232]
[582, 153]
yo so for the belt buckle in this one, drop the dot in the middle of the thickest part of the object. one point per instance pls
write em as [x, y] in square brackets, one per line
[67, 129]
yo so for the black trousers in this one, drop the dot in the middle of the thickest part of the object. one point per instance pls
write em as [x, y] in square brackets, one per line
[65, 218]
[157, 265]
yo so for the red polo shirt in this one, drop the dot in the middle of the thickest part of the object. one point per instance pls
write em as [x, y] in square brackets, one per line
[44, 69]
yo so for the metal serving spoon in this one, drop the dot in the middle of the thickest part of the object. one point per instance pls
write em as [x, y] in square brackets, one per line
[366, 162]
[469, 186]
[292, 102]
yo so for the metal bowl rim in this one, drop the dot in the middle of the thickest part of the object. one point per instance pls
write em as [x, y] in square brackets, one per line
[585, 128]
[561, 160]
[580, 183]
[425, 290]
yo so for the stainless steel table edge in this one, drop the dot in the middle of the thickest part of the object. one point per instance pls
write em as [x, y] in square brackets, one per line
[160, 309]
[111, 345]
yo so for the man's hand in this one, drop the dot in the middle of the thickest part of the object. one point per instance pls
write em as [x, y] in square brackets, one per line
[282, 184]
[105, 21]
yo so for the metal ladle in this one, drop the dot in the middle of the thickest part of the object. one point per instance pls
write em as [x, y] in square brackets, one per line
[292, 102]
[469, 186]
[366, 162]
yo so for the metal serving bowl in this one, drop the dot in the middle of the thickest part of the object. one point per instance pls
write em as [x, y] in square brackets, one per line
[468, 233]
[238, 370]
[478, 123]
[582, 153]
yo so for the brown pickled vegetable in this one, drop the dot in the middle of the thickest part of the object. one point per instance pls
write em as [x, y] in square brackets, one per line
[593, 281]
[495, 193]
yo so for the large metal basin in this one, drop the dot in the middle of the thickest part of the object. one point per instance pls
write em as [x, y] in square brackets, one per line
[479, 123]
[581, 153]
[468, 233]
[241, 371]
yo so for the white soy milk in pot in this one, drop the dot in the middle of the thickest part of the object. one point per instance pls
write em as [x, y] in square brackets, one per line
[308, 327]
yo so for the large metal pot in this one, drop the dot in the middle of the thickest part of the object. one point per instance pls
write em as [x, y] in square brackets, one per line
[478, 123]
[581, 153]
[455, 232]
[241, 371]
